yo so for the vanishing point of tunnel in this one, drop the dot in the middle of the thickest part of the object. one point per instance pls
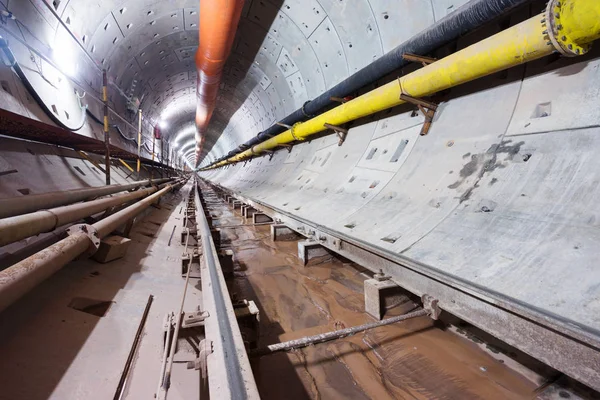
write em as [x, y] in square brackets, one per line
[299, 199]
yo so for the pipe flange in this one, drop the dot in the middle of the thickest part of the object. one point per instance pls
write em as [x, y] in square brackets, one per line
[554, 29]
[304, 110]
[292, 132]
[90, 232]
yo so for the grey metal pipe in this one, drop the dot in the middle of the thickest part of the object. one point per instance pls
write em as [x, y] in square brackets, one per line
[23, 226]
[466, 18]
[324, 337]
[12, 206]
[18, 279]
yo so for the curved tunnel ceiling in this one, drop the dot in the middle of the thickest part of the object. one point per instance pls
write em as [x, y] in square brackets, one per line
[285, 53]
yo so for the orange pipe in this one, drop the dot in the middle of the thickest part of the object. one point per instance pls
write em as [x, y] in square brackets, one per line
[218, 24]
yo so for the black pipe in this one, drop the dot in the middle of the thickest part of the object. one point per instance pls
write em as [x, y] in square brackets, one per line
[465, 19]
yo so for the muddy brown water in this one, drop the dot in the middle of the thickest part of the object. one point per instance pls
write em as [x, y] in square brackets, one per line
[416, 359]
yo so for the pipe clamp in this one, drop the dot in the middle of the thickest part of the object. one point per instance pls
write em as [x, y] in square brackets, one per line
[292, 132]
[90, 232]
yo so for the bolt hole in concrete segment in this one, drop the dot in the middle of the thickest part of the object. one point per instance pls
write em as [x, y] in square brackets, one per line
[415, 358]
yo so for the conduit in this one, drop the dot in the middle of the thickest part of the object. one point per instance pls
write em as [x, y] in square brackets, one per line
[12, 206]
[218, 24]
[568, 26]
[20, 278]
[465, 19]
[20, 227]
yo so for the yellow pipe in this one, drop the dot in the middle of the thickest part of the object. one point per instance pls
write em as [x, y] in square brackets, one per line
[84, 155]
[126, 165]
[139, 139]
[578, 20]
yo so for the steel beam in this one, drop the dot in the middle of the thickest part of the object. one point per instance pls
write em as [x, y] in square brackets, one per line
[229, 372]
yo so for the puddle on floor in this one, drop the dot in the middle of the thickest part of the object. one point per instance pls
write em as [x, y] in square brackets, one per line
[415, 359]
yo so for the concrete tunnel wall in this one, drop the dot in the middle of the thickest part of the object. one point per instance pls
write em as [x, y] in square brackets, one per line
[502, 192]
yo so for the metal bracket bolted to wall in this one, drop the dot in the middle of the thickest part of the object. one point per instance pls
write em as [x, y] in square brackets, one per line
[427, 108]
[284, 125]
[381, 276]
[341, 132]
[270, 153]
[289, 147]
[84, 155]
[430, 304]
[422, 59]
[341, 100]
[90, 232]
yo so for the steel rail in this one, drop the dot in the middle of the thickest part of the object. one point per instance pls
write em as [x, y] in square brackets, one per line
[229, 360]
[12, 206]
[20, 278]
[572, 328]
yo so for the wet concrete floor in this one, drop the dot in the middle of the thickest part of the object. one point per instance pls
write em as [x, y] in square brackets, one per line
[416, 359]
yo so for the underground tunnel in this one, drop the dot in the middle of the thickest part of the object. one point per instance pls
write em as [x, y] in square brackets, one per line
[299, 199]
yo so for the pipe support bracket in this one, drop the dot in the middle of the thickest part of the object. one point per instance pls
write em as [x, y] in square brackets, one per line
[90, 232]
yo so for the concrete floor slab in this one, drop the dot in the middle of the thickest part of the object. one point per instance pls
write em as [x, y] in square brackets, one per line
[69, 354]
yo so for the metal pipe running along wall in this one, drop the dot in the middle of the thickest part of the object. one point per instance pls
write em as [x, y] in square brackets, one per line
[567, 26]
[23, 226]
[218, 24]
[12, 206]
[20, 278]
[466, 18]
